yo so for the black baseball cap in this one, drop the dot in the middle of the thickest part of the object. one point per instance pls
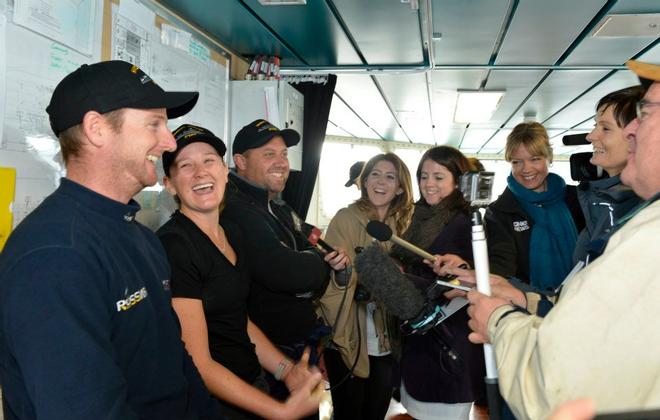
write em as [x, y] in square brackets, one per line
[188, 134]
[258, 133]
[107, 86]
[354, 173]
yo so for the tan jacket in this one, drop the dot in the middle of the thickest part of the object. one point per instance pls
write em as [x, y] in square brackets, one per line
[347, 231]
[601, 340]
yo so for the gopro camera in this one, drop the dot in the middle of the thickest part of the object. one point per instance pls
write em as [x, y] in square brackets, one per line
[477, 188]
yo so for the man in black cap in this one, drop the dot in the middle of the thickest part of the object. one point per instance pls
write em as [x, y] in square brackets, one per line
[354, 173]
[86, 326]
[287, 272]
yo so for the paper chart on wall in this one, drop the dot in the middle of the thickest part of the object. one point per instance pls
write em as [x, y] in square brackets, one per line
[69, 22]
[133, 30]
[173, 69]
[36, 66]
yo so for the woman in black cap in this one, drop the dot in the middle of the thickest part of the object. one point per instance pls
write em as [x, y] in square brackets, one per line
[210, 286]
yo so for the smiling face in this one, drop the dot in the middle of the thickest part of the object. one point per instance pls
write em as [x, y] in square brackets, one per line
[382, 186]
[137, 146]
[610, 147]
[641, 171]
[529, 170]
[436, 182]
[266, 166]
[198, 177]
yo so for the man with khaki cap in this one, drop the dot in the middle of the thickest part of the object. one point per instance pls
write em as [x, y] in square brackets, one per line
[601, 339]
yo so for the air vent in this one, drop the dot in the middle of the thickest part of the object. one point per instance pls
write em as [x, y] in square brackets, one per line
[642, 25]
[283, 2]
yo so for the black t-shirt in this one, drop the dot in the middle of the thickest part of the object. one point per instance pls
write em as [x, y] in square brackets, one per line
[201, 271]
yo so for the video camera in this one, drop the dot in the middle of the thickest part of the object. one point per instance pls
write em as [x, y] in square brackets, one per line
[477, 187]
[581, 167]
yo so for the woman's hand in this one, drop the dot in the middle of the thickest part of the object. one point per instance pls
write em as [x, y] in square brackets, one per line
[443, 263]
[304, 400]
[300, 372]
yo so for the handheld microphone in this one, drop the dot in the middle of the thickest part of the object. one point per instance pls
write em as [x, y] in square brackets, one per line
[382, 232]
[314, 237]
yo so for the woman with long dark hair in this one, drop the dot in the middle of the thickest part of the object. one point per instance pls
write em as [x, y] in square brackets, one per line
[442, 372]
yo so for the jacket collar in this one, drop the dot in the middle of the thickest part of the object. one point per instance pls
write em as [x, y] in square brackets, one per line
[99, 203]
[255, 193]
[507, 203]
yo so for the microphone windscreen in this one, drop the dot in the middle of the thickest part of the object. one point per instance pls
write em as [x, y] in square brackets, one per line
[378, 273]
[379, 230]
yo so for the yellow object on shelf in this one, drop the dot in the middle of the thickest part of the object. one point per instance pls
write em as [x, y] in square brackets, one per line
[7, 188]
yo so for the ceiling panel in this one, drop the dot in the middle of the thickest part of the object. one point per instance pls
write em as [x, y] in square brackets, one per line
[542, 30]
[497, 143]
[557, 90]
[234, 26]
[584, 107]
[476, 137]
[328, 46]
[466, 47]
[383, 23]
[333, 130]
[405, 93]
[362, 95]
[344, 118]
[613, 50]
[517, 84]
[444, 84]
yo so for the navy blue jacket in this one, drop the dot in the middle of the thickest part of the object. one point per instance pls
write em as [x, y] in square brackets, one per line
[86, 326]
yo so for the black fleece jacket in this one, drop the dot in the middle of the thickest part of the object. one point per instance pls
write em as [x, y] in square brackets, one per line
[286, 271]
[508, 231]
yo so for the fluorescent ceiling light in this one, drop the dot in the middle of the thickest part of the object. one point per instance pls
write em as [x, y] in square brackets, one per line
[476, 105]
[283, 2]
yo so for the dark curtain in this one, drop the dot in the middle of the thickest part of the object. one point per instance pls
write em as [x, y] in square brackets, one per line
[300, 185]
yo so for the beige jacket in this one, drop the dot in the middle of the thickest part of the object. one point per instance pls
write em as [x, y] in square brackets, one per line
[601, 340]
[347, 231]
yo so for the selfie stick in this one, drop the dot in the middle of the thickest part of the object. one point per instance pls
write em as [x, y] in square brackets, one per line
[482, 271]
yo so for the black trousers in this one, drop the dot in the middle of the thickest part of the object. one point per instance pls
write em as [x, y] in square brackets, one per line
[359, 398]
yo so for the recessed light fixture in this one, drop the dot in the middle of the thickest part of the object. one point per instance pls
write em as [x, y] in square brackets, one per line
[283, 2]
[629, 25]
[476, 105]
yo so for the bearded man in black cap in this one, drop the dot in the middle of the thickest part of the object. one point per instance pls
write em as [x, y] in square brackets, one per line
[287, 272]
[86, 326]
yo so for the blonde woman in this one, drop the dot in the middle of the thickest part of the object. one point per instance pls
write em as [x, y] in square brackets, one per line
[537, 211]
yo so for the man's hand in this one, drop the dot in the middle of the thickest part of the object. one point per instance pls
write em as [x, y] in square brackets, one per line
[338, 259]
[582, 409]
[499, 286]
[480, 309]
[300, 372]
